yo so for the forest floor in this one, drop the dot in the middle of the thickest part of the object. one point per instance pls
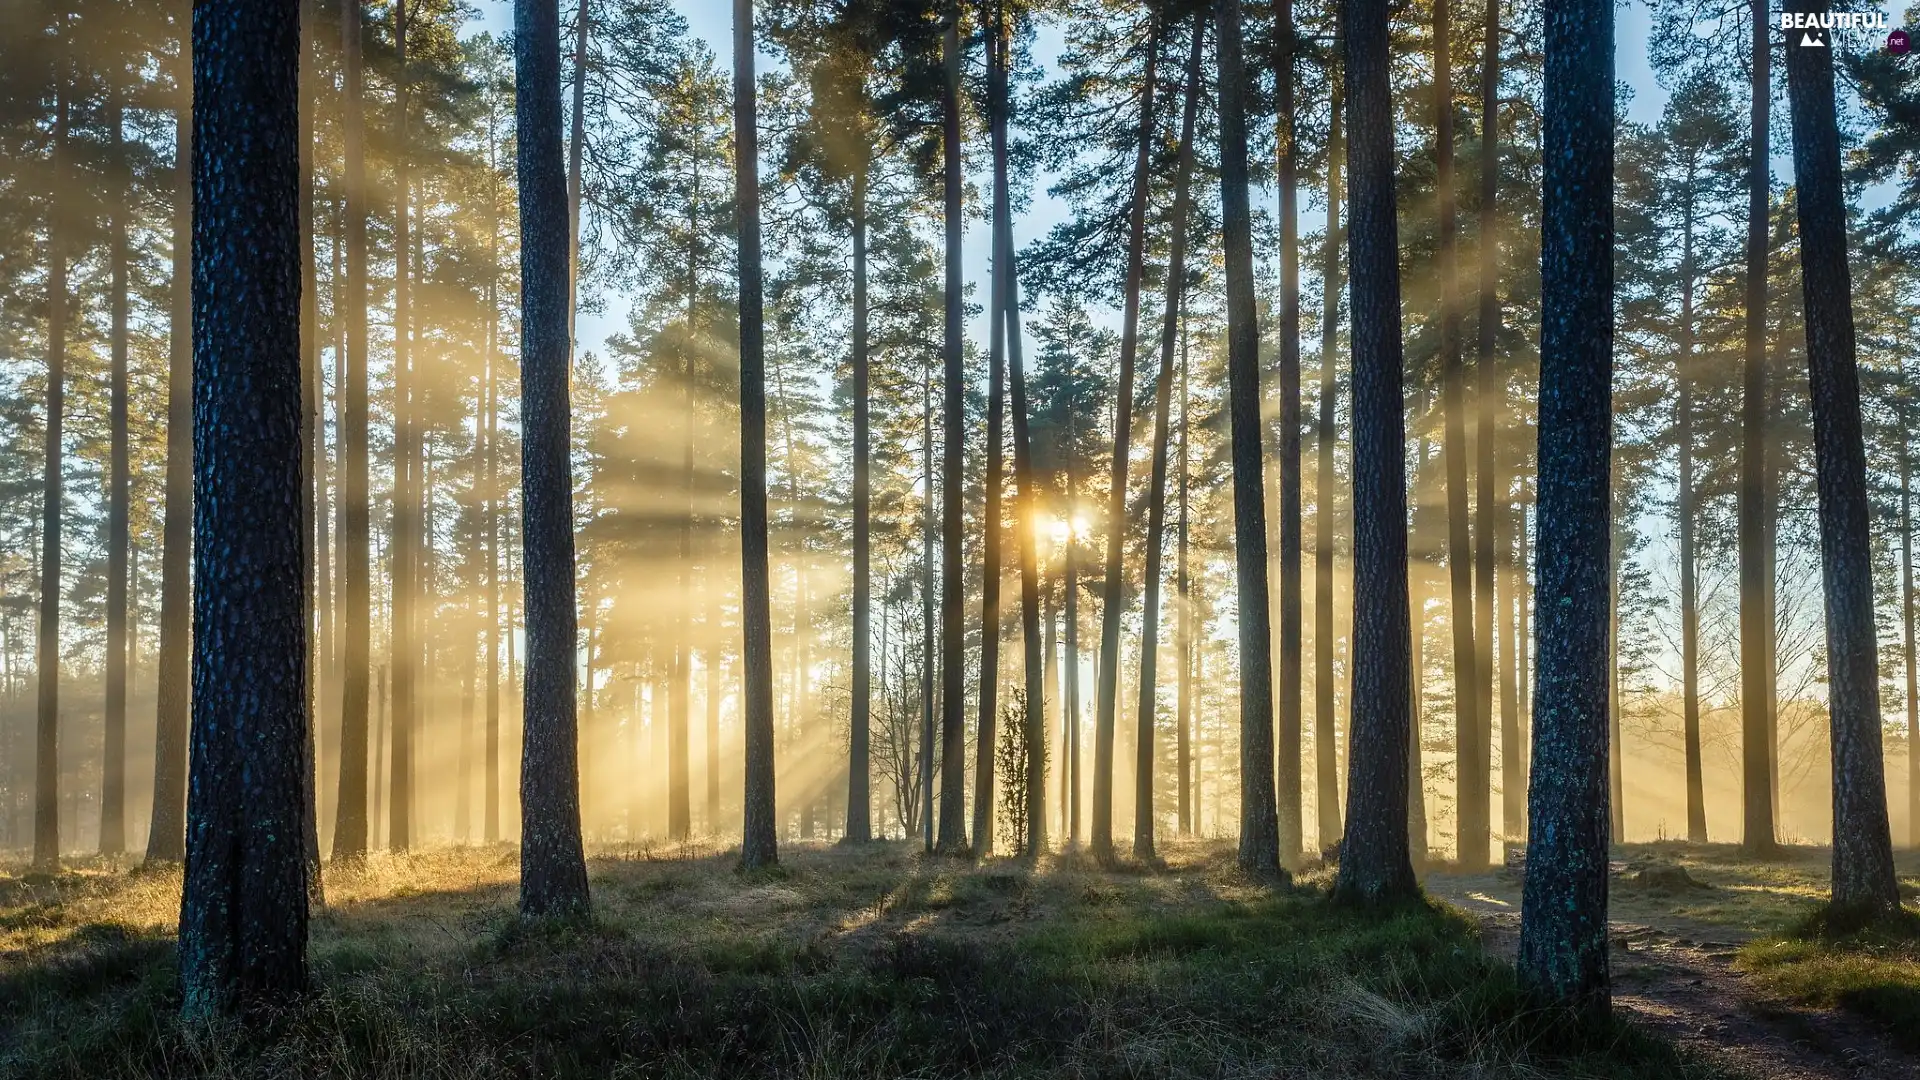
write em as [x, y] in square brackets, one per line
[1721, 955]
[841, 963]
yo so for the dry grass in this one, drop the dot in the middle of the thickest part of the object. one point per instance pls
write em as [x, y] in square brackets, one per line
[843, 963]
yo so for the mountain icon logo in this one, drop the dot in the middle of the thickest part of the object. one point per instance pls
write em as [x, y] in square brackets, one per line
[1808, 40]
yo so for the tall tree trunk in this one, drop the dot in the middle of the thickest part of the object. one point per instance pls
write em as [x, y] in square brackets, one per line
[859, 760]
[1689, 592]
[1157, 483]
[1471, 735]
[952, 838]
[167, 828]
[113, 768]
[46, 816]
[350, 830]
[1026, 511]
[1287, 775]
[1756, 615]
[1113, 604]
[1863, 878]
[312, 450]
[1184, 613]
[243, 910]
[553, 869]
[1259, 822]
[1563, 930]
[1071, 616]
[406, 472]
[759, 842]
[576, 156]
[926, 606]
[992, 558]
[679, 720]
[1490, 503]
[490, 780]
[1325, 754]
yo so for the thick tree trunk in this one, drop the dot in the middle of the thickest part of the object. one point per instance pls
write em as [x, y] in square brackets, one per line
[1756, 613]
[553, 870]
[1259, 822]
[167, 829]
[350, 830]
[113, 767]
[1563, 931]
[1157, 482]
[1113, 604]
[46, 815]
[1287, 722]
[859, 763]
[243, 910]
[1471, 734]
[1863, 877]
[759, 844]
[1374, 863]
[952, 839]
[1325, 741]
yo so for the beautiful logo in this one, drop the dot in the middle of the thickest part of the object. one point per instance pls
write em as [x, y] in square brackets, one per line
[1815, 27]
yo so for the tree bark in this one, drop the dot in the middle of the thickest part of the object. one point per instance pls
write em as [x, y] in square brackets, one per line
[1756, 614]
[759, 844]
[1491, 498]
[113, 767]
[859, 761]
[243, 910]
[1689, 592]
[1157, 483]
[167, 829]
[405, 555]
[1563, 931]
[553, 870]
[350, 830]
[1184, 611]
[1863, 877]
[1259, 822]
[1374, 862]
[1287, 723]
[993, 559]
[952, 839]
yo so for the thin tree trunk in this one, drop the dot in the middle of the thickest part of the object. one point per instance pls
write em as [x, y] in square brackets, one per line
[1863, 876]
[680, 713]
[1907, 613]
[490, 800]
[1563, 929]
[1756, 615]
[1689, 592]
[553, 870]
[1616, 746]
[1113, 604]
[1374, 862]
[167, 829]
[1259, 822]
[1287, 774]
[952, 838]
[1071, 766]
[405, 554]
[926, 607]
[1184, 613]
[46, 818]
[759, 845]
[576, 154]
[113, 767]
[992, 528]
[350, 830]
[243, 911]
[1143, 823]
[1326, 759]
[859, 759]
[1471, 735]
[1491, 507]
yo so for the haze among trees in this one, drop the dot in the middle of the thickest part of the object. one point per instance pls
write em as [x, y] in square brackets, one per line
[537, 543]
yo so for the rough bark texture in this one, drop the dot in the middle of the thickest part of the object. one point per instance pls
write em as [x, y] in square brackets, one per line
[1563, 932]
[1687, 510]
[1374, 862]
[1148, 704]
[1113, 604]
[859, 761]
[952, 838]
[243, 908]
[350, 829]
[759, 842]
[167, 829]
[1756, 613]
[1287, 720]
[1863, 879]
[553, 869]
[1325, 753]
[113, 779]
[1259, 822]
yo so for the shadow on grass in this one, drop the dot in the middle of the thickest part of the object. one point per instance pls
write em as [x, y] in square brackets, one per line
[1870, 967]
[865, 962]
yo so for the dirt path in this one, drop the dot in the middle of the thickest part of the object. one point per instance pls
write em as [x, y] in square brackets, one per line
[1675, 976]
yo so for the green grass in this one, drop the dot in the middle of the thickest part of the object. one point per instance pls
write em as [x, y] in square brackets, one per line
[841, 964]
[1873, 971]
